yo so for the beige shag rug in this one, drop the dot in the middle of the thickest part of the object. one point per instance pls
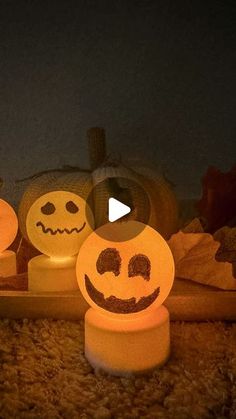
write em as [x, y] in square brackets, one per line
[43, 374]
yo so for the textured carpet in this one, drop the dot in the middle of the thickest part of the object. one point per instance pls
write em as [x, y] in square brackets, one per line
[43, 374]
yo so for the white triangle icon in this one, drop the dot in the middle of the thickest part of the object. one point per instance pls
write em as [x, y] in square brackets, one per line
[116, 209]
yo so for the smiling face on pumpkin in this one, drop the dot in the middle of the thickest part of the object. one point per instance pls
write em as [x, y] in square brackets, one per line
[58, 223]
[125, 277]
[8, 225]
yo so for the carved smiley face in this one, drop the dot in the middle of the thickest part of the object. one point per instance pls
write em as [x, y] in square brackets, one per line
[58, 223]
[127, 277]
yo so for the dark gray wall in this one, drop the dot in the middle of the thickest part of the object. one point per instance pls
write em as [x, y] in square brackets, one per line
[158, 75]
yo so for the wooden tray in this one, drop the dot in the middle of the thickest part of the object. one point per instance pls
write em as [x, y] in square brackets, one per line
[187, 301]
[191, 301]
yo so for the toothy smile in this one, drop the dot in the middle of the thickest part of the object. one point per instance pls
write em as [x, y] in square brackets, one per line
[49, 230]
[117, 305]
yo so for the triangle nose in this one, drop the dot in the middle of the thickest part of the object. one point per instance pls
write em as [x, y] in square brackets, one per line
[117, 209]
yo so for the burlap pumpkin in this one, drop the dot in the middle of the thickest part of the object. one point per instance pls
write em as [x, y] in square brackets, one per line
[163, 211]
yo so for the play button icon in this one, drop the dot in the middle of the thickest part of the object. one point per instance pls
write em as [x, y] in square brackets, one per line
[114, 200]
[117, 209]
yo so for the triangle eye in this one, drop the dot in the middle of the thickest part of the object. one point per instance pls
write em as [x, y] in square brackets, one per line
[72, 207]
[48, 208]
[139, 265]
[109, 260]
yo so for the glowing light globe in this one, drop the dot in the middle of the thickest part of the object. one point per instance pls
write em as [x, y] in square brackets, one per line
[125, 277]
[58, 222]
[8, 231]
[8, 225]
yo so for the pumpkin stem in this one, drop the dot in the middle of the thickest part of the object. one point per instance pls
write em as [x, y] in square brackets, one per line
[97, 146]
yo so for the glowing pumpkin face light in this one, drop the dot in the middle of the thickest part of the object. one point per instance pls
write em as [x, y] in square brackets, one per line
[125, 277]
[8, 225]
[8, 231]
[58, 222]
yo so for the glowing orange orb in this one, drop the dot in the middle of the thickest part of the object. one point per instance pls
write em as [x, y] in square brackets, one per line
[8, 225]
[120, 275]
[58, 222]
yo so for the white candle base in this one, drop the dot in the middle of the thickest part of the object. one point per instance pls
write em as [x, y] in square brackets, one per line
[46, 274]
[7, 263]
[121, 347]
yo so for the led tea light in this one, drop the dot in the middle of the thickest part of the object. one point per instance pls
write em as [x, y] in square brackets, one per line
[125, 281]
[57, 224]
[8, 231]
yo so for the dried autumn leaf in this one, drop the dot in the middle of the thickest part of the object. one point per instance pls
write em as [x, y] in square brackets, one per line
[227, 250]
[24, 253]
[218, 203]
[194, 255]
[14, 283]
[194, 226]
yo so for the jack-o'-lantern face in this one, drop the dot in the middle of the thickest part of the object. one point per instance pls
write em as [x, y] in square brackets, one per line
[58, 223]
[127, 277]
[8, 225]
